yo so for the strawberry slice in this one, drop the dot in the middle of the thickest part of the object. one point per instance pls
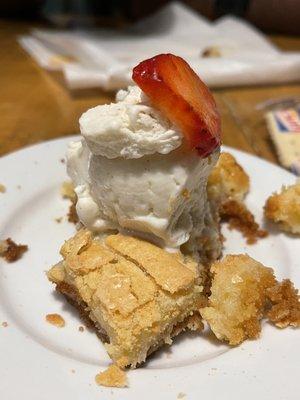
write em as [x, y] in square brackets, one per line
[177, 91]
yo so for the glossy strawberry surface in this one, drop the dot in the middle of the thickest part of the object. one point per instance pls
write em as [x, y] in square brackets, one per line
[178, 92]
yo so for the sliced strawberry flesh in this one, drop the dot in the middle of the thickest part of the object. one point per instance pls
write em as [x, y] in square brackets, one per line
[177, 91]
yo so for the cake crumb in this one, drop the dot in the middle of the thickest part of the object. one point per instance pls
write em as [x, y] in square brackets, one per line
[67, 191]
[62, 160]
[72, 214]
[58, 220]
[56, 320]
[240, 218]
[4, 324]
[73, 371]
[2, 188]
[185, 193]
[113, 376]
[12, 251]
[181, 396]
[211, 52]
[285, 309]
[81, 328]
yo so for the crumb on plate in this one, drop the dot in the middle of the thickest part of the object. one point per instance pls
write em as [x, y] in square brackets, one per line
[67, 191]
[81, 328]
[56, 320]
[4, 324]
[58, 220]
[228, 180]
[2, 188]
[238, 297]
[244, 291]
[181, 396]
[284, 208]
[211, 52]
[72, 214]
[113, 376]
[11, 251]
[240, 218]
[285, 309]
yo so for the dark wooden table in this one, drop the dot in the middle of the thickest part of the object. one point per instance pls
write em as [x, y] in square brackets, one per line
[36, 105]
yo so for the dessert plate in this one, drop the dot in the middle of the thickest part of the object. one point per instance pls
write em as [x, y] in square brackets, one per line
[39, 361]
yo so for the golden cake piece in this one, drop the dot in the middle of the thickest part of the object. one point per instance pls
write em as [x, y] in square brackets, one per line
[137, 295]
[237, 298]
[242, 292]
[113, 376]
[227, 187]
[284, 208]
[228, 180]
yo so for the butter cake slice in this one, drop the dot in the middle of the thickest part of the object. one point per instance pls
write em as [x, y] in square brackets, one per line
[137, 295]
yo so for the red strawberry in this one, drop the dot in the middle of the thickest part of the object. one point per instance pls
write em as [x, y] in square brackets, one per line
[177, 91]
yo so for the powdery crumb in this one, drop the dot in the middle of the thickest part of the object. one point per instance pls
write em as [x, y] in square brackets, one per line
[11, 251]
[81, 328]
[240, 218]
[113, 376]
[181, 396]
[285, 309]
[56, 320]
[2, 188]
[4, 324]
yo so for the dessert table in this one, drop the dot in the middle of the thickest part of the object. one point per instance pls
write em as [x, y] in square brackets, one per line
[36, 105]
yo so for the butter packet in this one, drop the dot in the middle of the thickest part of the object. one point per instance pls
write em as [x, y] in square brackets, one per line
[284, 129]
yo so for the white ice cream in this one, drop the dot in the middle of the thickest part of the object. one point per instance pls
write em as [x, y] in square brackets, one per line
[129, 128]
[130, 173]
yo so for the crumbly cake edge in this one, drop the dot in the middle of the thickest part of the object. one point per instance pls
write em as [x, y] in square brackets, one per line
[191, 322]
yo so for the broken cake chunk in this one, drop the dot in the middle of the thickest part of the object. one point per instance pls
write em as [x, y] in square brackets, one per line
[243, 291]
[284, 208]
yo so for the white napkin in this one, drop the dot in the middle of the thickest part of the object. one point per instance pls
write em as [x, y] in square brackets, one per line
[103, 58]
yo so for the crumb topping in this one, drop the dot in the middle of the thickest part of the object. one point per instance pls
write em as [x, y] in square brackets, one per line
[240, 218]
[11, 251]
[56, 320]
[113, 376]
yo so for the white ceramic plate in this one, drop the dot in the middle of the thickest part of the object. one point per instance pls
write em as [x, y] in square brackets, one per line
[41, 362]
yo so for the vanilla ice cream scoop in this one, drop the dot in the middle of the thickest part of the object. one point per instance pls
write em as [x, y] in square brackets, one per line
[129, 128]
[131, 173]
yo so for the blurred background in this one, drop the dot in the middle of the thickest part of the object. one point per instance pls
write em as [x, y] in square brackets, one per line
[61, 57]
